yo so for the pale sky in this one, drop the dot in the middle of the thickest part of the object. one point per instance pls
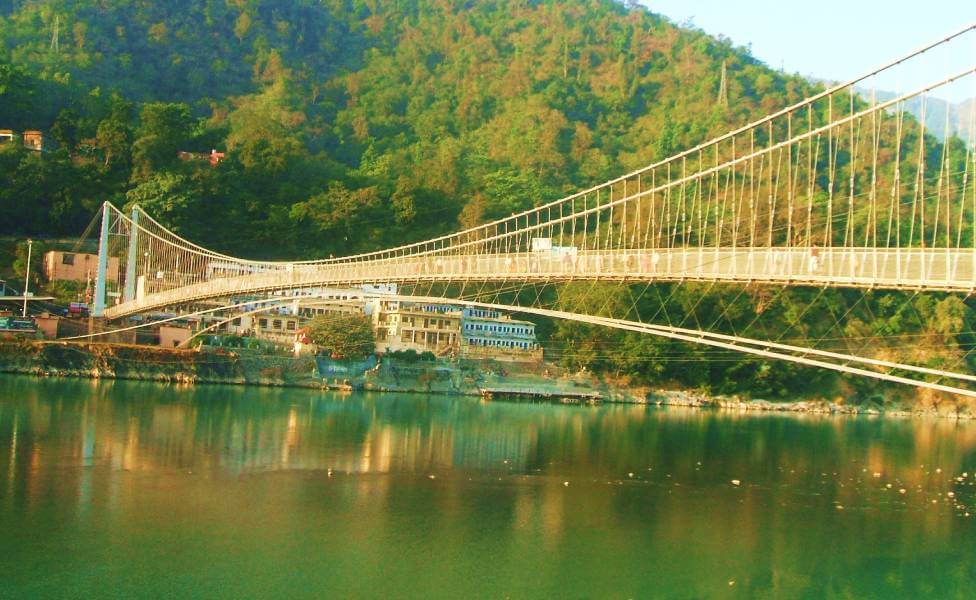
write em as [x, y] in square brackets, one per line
[840, 39]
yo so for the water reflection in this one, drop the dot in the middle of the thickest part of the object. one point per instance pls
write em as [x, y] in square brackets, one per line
[579, 500]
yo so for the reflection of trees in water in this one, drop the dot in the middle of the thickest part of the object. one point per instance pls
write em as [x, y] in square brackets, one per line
[242, 429]
[795, 472]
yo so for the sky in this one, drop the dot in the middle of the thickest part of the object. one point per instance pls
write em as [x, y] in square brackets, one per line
[841, 39]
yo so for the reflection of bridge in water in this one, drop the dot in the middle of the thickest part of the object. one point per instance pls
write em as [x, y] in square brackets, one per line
[838, 190]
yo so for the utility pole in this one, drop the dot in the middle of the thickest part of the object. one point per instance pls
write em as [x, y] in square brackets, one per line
[55, 35]
[723, 87]
[30, 244]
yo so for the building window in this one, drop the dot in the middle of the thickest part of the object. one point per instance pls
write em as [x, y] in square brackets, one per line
[67, 259]
[237, 322]
[263, 323]
[276, 324]
[291, 326]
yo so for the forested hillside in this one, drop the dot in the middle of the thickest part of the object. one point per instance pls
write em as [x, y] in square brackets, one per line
[351, 125]
[393, 120]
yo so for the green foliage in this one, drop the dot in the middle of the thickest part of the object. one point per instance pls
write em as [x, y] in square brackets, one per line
[237, 342]
[163, 130]
[16, 93]
[411, 356]
[168, 196]
[65, 129]
[36, 252]
[343, 336]
[65, 292]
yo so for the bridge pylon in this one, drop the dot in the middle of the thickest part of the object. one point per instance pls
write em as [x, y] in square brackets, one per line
[98, 304]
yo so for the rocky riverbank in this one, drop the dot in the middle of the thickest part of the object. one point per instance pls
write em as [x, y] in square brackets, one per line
[147, 363]
[895, 408]
[469, 378]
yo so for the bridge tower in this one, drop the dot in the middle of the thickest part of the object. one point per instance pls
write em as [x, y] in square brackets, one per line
[98, 308]
[130, 265]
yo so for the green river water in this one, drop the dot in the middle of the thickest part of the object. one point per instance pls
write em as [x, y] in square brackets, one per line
[120, 489]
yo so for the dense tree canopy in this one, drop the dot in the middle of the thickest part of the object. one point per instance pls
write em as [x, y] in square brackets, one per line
[400, 120]
[343, 336]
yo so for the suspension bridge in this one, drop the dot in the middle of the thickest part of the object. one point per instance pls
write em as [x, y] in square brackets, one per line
[838, 190]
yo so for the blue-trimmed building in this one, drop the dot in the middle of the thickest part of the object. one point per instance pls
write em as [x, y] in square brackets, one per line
[491, 334]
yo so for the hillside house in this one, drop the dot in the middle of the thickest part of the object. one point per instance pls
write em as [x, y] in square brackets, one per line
[76, 266]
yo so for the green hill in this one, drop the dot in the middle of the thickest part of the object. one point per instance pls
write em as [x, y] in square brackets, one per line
[391, 120]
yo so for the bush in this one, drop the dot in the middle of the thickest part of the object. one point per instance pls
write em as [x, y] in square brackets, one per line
[411, 356]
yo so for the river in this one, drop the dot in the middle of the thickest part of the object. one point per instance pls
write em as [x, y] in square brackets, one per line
[141, 490]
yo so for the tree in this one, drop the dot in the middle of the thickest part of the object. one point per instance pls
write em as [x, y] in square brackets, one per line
[37, 251]
[339, 216]
[113, 138]
[343, 336]
[164, 128]
[167, 196]
[16, 93]
[65, 129]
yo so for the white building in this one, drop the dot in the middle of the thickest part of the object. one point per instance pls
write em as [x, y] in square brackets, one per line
[490, 329]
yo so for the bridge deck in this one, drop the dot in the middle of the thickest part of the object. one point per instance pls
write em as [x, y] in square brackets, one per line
[927, 269]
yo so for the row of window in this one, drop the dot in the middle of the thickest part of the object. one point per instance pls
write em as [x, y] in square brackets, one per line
[409, 335]
[428, 323]
[276, 324]
[499, 329]
[500, 343]
[479, 313]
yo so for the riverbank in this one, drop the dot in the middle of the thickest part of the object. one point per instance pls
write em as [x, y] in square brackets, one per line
[895, 409]
[148, 363]
[239, 366]
[459, 378]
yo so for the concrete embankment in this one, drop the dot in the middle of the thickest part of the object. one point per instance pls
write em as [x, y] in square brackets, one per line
[95, 361]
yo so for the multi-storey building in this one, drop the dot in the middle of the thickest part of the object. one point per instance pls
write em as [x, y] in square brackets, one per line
[424, 328]
[442, 329]
[490, 334]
